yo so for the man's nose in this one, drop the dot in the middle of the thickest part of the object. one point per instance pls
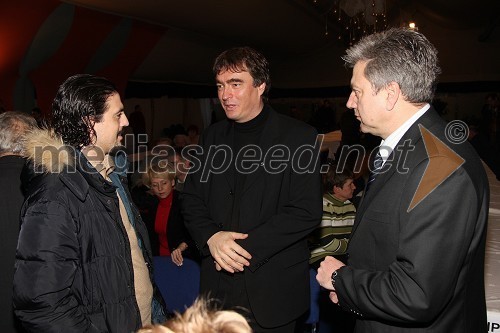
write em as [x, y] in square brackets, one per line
[226, 94]
[352, 101]
[124, 121]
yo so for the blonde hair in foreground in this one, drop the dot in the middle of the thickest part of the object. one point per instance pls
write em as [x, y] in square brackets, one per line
[199, 318]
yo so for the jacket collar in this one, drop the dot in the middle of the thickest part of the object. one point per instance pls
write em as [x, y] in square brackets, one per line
[413, 137]
[50, 155]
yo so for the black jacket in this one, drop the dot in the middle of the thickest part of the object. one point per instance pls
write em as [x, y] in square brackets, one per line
[11, 200]
[74, 268]
[280, 205]
[416, 252]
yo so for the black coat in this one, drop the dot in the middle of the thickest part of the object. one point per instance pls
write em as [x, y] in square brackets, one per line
[279, 208]
[11, 200]
[74, 268]
[420, 268]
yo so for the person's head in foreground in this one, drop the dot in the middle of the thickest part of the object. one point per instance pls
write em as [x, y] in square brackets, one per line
[201, 318]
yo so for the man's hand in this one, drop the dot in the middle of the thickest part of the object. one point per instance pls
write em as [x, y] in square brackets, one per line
[324, 276]
[325, 271]
[227, 254]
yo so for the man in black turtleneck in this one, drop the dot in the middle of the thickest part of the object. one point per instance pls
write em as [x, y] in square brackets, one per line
[252, 197]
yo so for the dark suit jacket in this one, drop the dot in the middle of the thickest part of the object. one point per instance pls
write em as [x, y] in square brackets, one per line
[279, 208]
[420, 269]
[11, 200]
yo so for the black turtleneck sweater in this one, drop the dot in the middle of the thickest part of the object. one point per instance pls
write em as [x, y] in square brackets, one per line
[245, 134]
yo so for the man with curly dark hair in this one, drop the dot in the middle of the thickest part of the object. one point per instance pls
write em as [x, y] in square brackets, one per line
[84, 261]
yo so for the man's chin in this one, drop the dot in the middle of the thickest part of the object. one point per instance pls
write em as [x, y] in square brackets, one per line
[364, 128]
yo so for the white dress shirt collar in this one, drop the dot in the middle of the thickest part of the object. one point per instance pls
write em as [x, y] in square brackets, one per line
[389, 144]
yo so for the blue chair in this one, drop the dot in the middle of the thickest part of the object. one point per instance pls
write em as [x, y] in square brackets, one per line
[179, 285]
[313, 319]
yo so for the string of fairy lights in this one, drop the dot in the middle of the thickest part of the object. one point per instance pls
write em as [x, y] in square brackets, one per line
[355, 19]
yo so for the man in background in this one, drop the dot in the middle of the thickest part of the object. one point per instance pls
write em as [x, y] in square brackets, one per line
[181, 165]
[332, 235]
[13, 127]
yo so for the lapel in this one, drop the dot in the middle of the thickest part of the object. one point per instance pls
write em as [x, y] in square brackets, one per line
[268, 138]
[413, 135]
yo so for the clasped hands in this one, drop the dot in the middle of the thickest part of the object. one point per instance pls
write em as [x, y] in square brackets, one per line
[228, 254]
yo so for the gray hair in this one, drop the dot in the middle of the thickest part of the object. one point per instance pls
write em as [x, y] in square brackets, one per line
[13, 126]
[398, 55]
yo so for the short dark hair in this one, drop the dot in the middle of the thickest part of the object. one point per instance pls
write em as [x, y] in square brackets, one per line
[81, 99]
[336, 177]
[245, 58]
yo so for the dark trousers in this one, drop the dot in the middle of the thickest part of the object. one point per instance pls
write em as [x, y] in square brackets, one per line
[232, 294]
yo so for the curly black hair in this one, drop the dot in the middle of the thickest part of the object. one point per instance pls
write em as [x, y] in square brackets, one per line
[80, 101]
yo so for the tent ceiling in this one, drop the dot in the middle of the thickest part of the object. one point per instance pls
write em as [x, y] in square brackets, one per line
[289, 32]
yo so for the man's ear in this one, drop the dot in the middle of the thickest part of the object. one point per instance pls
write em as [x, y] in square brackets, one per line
[335, 189]
[393, 94]
[261, 88]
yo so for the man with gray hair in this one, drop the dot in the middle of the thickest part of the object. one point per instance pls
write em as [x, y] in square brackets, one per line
[13, 126]
[416, 252]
